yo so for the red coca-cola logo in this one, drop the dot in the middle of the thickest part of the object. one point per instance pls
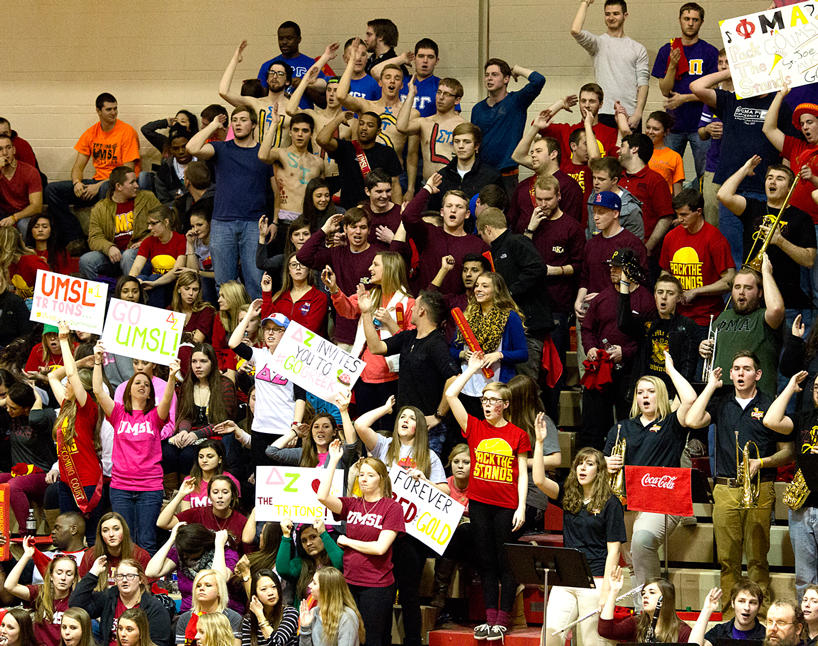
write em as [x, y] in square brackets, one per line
[662, 482]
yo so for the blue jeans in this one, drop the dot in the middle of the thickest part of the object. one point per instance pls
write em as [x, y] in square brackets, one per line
[804, 539]
[67, 503]
[94, 263]
[678, 141]
[733, 229]
[230, 241]
[140, 509]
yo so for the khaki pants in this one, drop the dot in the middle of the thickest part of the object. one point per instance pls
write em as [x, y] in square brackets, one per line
[743, 532]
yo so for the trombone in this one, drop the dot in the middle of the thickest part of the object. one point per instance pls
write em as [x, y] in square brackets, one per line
[754, 262]
[710, 362]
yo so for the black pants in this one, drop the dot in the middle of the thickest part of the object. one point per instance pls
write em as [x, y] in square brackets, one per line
[369, 396]
[598, 411]
[260, 442]
[375, 606]
[176, 460]
[408, 559]
[492, 529]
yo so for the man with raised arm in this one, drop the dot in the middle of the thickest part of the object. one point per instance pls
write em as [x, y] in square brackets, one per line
[361, 84]
[243, 182]
[543, 155]
[436, 131]
[380, 40]
[677, 64]
[792, 246]
[108, 144]
[357, 158]
[591, 98]
[279, 75]
[425, 58]
[289, 40]
[294, 167]
[620, 63]
[501, 116]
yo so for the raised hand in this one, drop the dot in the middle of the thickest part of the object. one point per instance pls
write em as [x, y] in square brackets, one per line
[64, 331]
[342, 399]
[541, 427]
[433, 183]
[798, 327]
[751, 164]
[797, 379]
[287, 527]
[239, 55]
[306, 615]
[100, 565]
[336, 451]
[328, 278]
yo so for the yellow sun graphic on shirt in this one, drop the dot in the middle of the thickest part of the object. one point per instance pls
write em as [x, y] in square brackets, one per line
[495, 445]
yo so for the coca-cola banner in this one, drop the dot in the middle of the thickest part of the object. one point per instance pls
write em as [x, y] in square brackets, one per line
[659, 490]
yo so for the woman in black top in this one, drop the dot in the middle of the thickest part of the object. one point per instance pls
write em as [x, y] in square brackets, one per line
[592, 522]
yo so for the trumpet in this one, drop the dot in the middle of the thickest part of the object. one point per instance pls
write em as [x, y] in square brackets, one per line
[618, 480]
[749, 493]
[710, 362]
[797, 491]
[754, 262]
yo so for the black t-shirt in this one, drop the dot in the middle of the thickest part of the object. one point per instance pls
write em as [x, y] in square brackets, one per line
[659, 444]
[729, 417]
[352, 180]
[425, 365]
[591, 531]
[31, 441]
[725, 631]
[806, 430]
[796, 227]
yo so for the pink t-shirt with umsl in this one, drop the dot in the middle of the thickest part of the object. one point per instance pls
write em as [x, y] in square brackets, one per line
[199, 498]
[137, 456]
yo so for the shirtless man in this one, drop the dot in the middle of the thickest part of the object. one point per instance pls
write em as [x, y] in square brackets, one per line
[436, 131]
[279, 76]
[321, 117]
[387, 107]
[294, 166]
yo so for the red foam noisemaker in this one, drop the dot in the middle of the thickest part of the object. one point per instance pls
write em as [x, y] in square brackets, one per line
[399, 314]
[468, 337]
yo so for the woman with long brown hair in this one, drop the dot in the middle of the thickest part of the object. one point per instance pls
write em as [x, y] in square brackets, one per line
[76, 629]
[335, 621]
[114, 542]
[315, 549]
[187, 299]
[133, 629]
[49, 600]
[16, 629]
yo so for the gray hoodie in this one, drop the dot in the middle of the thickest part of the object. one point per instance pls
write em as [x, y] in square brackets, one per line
[630, 217]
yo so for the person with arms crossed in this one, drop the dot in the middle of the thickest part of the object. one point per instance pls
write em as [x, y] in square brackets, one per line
[620, 63]
[21, 188]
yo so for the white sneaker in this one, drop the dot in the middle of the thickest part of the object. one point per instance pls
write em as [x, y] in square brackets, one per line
[482, 632]
[497, 633]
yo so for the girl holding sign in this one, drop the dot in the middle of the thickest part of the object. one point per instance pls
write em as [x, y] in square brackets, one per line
[373, 523]
[593, 522]
[498, 487]
[393, 304]
[409, 448]
[137, 487]
[76, 432]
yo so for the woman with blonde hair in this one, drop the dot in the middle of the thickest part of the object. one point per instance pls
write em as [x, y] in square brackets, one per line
[496, 503]
[232, 296]
[368, 546]
[131, 590]
[391, 304]
[335, 620]
[210, 596]
[76, 629]
[655, 436]
[49, 600]
[214, 630]
[497, 323]
[77, 434]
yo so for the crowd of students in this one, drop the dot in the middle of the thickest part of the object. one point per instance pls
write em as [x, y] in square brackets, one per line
[366, 208]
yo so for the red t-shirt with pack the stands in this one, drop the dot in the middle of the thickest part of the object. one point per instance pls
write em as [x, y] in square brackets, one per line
[494, 451]
[163, 255]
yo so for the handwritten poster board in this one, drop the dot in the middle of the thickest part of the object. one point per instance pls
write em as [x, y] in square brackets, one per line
[142, 332]
[290, 492]
[78, 302]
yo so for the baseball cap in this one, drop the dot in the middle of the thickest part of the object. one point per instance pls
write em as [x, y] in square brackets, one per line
[620, 257]
[608, 200]
[277, 319]
[50, 328]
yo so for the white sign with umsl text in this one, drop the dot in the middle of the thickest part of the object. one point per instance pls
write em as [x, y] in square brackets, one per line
[430, 515]
[317, 365]
[292, 492]
[142, 332]
[767, 49]
[79, 303]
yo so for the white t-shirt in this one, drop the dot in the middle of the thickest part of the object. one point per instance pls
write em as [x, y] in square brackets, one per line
[436, 473]
[275, 396]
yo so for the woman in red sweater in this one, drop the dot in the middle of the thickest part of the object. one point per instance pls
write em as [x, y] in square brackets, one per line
[298, 299]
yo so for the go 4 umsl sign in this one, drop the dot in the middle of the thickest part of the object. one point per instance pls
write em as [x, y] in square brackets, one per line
[430, 515]
[142, 332]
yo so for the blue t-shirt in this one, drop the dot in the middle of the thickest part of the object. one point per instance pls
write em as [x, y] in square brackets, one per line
[242, 181]
[703, 59]
[503, 123]
[300, 65]
[425, 97]
[365, 88]
[712, 161]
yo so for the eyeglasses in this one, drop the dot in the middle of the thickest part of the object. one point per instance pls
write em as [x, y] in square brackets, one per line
[774, 623]
[126, 577]
[491, 400]
[276, 73]
[449, 95]
[296, 265]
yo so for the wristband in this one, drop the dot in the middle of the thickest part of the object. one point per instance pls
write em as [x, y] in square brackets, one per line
[272, 223]
[14, 217]
[529, 231]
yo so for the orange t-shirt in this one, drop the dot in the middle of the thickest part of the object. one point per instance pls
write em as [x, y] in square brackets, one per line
[668, 163]
[108, 150]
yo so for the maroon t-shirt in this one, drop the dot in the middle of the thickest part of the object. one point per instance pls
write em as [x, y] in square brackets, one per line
[364, 523]
[561, 243]
[433, 243]
[204, 515]
[120, 608]
[584, 177]
[350, 270]
[123, 225]
[523, 204]
[697, 260]
[390, 220]
[23, 151]
[14, 192]
[650, 188]
[596, 273]
[48, 634]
